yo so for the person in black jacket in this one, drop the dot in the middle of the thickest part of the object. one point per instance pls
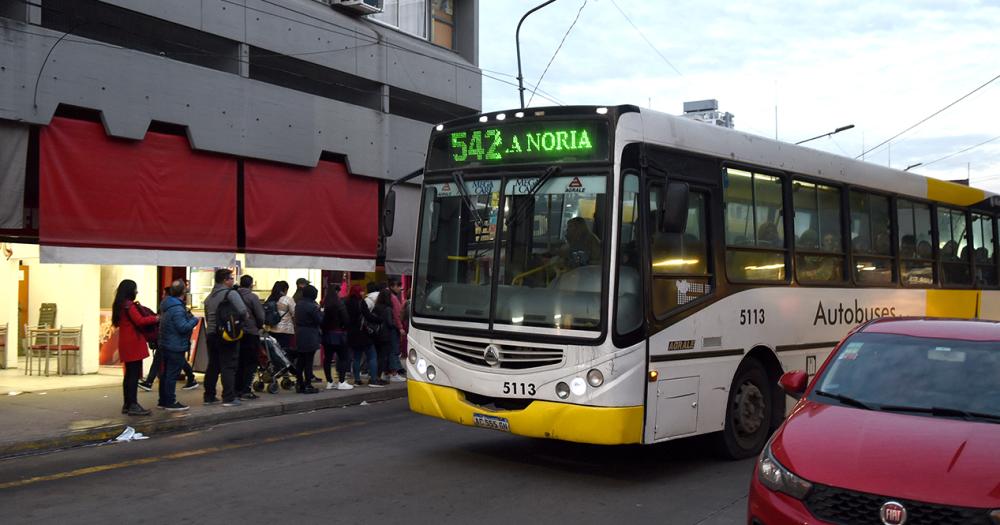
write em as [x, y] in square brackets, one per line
[308, 320]
[358, 338]
[335, 321]
[383, 340]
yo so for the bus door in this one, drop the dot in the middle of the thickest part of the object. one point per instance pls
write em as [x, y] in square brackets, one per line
[680, 274]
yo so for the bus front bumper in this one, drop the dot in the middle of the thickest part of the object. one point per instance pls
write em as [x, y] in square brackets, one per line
[542, 419]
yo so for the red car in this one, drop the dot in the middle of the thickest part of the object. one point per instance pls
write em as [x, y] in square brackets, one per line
[901, 426]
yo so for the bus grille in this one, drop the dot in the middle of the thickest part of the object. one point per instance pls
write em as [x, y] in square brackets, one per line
[511, 357]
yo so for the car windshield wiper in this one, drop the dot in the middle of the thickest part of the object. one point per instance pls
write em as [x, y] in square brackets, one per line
[942, 412]
[459, 179]
[847, 400]
[552, 171]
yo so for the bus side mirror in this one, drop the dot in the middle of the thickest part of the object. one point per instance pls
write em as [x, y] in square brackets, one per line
[794, 383]
[388, 213]
[674, 208]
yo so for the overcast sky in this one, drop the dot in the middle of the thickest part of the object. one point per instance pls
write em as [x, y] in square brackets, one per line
[882, 66]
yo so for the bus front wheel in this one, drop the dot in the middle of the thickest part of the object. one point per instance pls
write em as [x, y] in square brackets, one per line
[748, 412]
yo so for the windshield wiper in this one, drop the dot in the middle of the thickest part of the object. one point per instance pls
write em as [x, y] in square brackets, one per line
[847, 400]
[459, 179]
[942, 412]
[552, 171]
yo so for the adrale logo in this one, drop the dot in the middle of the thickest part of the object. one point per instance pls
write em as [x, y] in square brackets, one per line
[850, 315]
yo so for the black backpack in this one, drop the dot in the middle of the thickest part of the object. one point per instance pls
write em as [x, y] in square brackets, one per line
[271, 315]
[228, 321]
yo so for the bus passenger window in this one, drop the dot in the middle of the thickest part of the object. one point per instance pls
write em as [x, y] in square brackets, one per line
[818, 244]
[916, 263]
[755, 227]
[871, 238]
[983, 250]
[628, 310]
[680, 261]
[953, 250]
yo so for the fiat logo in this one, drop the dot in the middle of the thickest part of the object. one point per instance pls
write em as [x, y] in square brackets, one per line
[492, 355]
[892, 513]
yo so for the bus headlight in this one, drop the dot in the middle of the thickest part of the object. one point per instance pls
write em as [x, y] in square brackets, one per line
[578, 386]
[595, 378]
[411, 356]
[422, 366]
[562, 390]
[431, 373]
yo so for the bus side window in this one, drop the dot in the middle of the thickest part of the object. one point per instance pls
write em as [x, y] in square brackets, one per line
[755, 229]
[915, 249]
[680, 261]
[871, 240]
[953, 246]
[983, 251]
[628, 314]
[819, 247]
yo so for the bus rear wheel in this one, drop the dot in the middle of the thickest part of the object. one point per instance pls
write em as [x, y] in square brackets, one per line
[748, 412]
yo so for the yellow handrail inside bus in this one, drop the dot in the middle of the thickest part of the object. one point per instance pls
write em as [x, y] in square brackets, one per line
[518, 279]
[466, 258]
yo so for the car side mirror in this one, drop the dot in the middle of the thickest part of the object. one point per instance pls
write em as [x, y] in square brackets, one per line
[794, 383]
[388, 213]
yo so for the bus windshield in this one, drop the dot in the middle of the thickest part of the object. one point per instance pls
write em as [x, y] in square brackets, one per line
[545, 248]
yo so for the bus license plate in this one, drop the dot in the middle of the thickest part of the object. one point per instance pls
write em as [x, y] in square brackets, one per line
[496, 423]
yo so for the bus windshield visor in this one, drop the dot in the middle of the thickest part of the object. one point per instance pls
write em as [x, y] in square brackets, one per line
[549, 260]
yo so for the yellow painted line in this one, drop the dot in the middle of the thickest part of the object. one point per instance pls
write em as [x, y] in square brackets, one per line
[171, 457]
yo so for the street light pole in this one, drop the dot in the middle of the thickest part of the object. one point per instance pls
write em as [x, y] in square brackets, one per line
[913, 166]
[834, 132]
[517, 42]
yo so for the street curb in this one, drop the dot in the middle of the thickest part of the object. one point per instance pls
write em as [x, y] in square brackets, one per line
[198, 417]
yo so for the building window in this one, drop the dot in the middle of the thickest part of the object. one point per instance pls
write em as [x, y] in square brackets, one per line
[871, 238]
[755, 227]
[407, 15]
[818, 243]
[953, 247]
[443, 23]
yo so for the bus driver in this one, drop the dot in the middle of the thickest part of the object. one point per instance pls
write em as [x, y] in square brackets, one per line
[582, 246]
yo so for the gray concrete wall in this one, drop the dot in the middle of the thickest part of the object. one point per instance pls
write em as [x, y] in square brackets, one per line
[228, 113]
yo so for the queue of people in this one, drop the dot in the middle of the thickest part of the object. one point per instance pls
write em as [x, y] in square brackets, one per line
[357, 334]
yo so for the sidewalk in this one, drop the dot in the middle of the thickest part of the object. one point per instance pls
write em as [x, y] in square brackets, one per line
[36, 421]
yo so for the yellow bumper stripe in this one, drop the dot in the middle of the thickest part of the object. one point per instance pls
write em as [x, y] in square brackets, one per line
[543, 419]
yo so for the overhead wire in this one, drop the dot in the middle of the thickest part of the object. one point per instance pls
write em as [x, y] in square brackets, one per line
[641, 34]
[925, 119]
[561, 42]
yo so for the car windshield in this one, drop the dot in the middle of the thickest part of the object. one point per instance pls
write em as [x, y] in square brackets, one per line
[916, 374]
[551, 258]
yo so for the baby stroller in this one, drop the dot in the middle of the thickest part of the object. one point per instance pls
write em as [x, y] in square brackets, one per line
[274, 367]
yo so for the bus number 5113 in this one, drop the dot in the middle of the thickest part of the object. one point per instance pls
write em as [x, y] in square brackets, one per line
[751, 316]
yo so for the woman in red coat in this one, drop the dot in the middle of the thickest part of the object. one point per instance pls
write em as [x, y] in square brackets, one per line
[132, 347]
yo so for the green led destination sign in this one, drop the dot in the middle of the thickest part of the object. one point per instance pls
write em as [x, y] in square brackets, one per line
[520, 142]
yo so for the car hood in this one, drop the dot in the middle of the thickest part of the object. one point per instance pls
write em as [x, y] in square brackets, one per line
[936, 460]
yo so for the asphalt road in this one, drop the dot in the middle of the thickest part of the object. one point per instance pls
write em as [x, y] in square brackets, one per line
[375, 463]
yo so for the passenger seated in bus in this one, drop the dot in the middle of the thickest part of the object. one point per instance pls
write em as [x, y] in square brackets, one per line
[767, 235]
[809, 240]
[983, 255]
[831, 243]
[582, 247]
[924, 250]
[949, 251]
[907, 247]
[883, 246]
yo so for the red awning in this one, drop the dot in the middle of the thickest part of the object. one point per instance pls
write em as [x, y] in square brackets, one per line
[322, 217]
[107, 200]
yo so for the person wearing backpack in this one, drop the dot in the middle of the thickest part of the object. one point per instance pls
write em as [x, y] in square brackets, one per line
[132, 345]
[360, 322]
[335, 320]
[225, 318]
[176, 325]
[283, 330]
[250, 344]
[157, 365]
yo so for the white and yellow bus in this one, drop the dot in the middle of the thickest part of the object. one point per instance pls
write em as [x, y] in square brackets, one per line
[618, 275]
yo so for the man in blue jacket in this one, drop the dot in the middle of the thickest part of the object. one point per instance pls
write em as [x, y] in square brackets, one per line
[176, 325]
